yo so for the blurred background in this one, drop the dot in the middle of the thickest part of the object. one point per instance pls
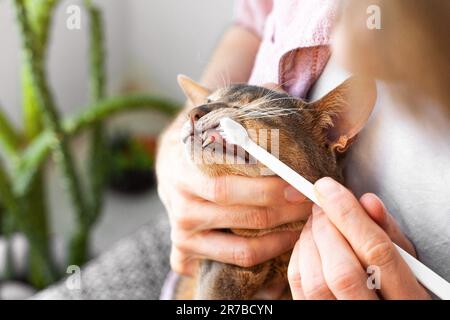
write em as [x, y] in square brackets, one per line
[147, 44]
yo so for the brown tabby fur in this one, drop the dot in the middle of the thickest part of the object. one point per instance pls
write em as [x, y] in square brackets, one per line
[312, 138]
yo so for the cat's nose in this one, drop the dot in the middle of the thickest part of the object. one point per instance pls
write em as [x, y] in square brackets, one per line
[198, 112]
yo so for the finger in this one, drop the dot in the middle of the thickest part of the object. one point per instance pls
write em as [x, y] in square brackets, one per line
[377, 211]
[314, 285]
[295, 281]
[237, 190]
[341, 268]
[163, 196]
[242, 251]
[182, 263]
[371, 244]
[205, 215]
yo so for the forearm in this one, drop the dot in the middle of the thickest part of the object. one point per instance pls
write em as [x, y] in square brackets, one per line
[233, 59]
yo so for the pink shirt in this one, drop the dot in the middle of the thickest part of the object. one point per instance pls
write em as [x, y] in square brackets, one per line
[295, 35]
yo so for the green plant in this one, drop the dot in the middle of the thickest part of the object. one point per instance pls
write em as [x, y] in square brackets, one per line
[22, 196]
[128, 153]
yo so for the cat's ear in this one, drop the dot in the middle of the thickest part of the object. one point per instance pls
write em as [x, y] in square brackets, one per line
[344, 111]
[195, 92]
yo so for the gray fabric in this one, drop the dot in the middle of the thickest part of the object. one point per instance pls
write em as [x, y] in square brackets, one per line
[134, 268]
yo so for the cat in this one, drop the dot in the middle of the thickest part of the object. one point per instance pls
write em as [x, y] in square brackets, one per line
[311, 138]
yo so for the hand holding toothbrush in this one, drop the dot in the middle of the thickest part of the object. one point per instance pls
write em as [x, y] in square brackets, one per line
[341, 237]
[342, 241]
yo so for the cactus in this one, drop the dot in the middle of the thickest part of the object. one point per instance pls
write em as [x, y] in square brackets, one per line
[23, 205]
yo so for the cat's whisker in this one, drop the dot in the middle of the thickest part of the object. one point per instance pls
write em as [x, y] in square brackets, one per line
[254, 110]
[261, 117]
[271, 113]
[276, 110]
[253, 104]
[272, 110]
[262, 114]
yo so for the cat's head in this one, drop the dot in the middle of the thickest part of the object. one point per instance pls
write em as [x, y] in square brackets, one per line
[306, 136]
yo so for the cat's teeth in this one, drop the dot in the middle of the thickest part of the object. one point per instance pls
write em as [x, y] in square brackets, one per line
[208, 141]
[204, 135]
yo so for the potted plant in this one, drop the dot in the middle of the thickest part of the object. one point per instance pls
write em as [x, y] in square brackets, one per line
[46, 133]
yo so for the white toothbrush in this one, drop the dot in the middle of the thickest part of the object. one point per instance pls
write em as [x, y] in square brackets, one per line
[236, 134]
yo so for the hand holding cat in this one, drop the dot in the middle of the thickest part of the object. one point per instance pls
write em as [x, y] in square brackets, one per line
[341, 240]
[199, 206]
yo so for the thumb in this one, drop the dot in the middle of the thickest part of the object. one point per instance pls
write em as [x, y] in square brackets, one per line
[378, 212]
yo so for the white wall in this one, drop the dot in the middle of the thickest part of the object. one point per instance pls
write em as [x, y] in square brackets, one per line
[168, 37]
[148, 42]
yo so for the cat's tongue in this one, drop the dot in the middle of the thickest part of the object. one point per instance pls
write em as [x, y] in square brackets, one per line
[210, 136]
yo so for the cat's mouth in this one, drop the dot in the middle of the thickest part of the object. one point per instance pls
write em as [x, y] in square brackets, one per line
[210, 140]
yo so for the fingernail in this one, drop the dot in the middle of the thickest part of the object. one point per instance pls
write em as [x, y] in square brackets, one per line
[325, 187]
[293, 195]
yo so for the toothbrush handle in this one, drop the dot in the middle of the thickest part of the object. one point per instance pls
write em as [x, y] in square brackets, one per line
[429, 279]
[281, 169]
[426, 276]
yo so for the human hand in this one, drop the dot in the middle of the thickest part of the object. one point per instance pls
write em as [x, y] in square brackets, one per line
[199, 206]
[341, 240]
